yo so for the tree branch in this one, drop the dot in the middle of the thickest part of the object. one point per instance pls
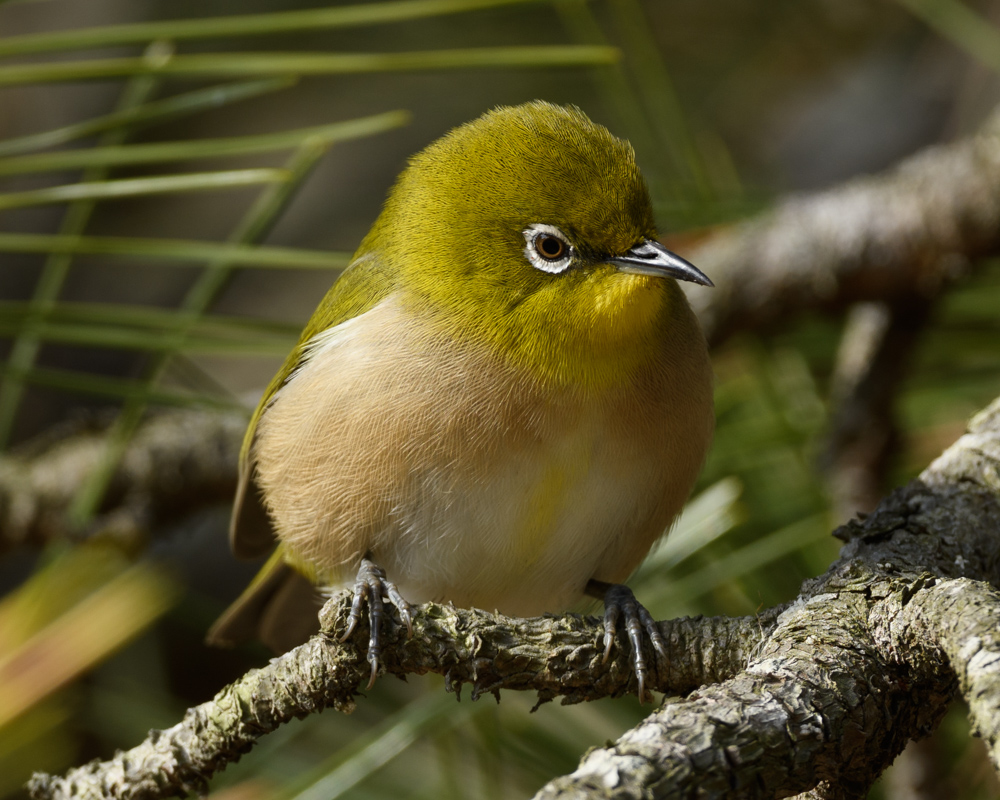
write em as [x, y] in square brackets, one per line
[958, 622]
[177, 462]
[913, 228]
[877, 344]
[555, 656]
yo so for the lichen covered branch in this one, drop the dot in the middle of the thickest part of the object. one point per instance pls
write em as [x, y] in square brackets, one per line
[960, 620]
[554, 656]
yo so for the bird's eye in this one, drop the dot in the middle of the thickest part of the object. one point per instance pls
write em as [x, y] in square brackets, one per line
[550, 247]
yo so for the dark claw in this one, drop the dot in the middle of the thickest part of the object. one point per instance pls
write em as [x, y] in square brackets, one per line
[401, 606]
[611, 613]
[371, 586]
[620, 602]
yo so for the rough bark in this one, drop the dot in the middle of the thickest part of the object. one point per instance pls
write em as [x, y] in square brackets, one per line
[877, 344]
[816, 697]
[914, 228]
[554, 656]
[177, 462]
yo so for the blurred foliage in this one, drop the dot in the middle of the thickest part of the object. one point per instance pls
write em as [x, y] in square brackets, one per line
[79, 607]
[147, 156]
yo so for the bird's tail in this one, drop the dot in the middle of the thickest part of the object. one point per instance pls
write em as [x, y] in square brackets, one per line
[279, 607]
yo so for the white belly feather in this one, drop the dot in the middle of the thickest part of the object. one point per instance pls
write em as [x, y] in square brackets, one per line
[467, 481]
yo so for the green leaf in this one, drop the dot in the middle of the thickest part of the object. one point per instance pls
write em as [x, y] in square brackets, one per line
[122, 155]
[219, 65]
[135, 187]
[252, 228]
[136, 92]
[139, 328]
[183, 250]
[742, 561]
[962, 26]
[146, 114]
[88, 383]
[372, 751]
[704, 519]
[146, 317]
[244, 25]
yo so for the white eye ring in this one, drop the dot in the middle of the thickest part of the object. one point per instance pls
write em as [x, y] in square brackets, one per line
[537, 231]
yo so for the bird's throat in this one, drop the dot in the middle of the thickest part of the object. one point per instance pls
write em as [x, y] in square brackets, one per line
[599, 334]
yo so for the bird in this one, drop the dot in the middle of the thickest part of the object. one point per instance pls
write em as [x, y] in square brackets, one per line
[503, 402]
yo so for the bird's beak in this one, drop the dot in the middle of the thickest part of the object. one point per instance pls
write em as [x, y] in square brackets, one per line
[652, 258]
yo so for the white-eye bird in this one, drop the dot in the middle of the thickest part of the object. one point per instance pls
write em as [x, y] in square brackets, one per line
[503, 402]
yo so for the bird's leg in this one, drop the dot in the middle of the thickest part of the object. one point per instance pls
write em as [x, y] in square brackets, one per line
[372, 585]
[620, 602]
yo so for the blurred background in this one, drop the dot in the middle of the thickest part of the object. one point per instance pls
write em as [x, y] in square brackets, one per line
[180, 183]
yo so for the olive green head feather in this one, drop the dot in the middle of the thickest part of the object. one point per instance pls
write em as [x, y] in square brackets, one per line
[468, 197]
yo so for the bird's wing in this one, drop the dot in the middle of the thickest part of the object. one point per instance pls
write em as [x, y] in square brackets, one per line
[362, 285]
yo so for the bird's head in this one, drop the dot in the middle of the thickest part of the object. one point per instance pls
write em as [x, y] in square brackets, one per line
[531, 228]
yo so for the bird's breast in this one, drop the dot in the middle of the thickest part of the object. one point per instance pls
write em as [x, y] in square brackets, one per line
[467, 478]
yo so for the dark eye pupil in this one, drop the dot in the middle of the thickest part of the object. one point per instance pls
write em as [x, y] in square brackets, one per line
[550, 246]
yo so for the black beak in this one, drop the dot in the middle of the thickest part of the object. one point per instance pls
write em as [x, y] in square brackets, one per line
[652, 258]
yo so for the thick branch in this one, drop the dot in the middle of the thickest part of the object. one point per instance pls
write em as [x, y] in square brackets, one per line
[177, 462]
[877, 343]
[913, 228]
[555, 656]
[960, 620]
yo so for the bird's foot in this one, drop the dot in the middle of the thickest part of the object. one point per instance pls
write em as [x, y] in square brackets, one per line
[372, 586]
[619, 602]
